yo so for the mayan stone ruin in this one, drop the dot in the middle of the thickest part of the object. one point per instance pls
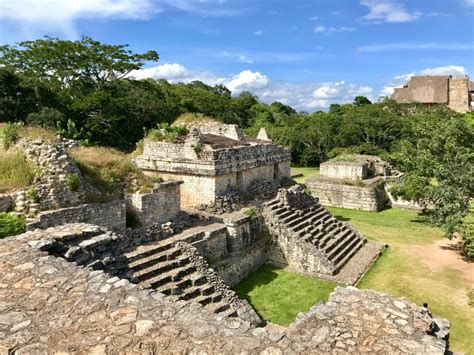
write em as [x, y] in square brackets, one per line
[455, 92]
[357, 182]
[81, 281]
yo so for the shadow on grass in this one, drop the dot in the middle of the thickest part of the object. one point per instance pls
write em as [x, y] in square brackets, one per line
[342, 218]
[423, 218]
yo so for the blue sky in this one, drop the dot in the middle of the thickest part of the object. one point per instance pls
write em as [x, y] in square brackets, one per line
[304, 53]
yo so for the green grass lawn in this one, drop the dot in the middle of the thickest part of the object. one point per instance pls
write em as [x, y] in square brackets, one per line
[399, 273]
[307, 172]
[279, 295]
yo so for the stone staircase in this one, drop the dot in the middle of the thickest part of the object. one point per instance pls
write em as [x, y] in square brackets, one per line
[165, 267]
[336, 241]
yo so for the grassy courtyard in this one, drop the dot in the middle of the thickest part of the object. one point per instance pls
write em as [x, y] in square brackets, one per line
[279, 295]
[307, 172]
[401, 273]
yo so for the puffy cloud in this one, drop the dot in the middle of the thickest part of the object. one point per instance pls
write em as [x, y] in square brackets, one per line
[400, 80]
[175, 73]
[247, 80]
[38, 16]
[388, 11]
[306, 97]
[258, 33]
[319, 29]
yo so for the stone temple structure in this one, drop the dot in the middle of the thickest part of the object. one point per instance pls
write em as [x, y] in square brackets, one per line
[357, 182]
[455, 92]
[213, 159]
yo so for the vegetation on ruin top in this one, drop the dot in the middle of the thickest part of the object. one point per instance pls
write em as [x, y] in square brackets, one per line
[167, 133]
[15, 171]
[307, 171]
[279, 295]
[402, 271]
[111, 171]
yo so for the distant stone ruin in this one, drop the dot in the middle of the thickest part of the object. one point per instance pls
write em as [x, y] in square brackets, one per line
[214, 158]
[357, 182]
[455, 92]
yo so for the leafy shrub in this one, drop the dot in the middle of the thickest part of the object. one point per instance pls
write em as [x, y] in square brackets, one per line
[33, 195]
[251, 212]
[198, 148]
[47, 118]
[165, 132]
[73, 181]
[11, 224]
[15, 171]
[10, 133]
[466, 230]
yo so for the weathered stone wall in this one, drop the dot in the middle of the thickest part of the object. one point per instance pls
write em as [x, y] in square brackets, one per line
[459, 94]
[109, 215]
[158, 206]
[195, 189]
[332, 193]
[344, 170]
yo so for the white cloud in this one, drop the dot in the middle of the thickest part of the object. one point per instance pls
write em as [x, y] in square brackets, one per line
[175, 73]
[321, 29]
[247, 80]
[244, 59]
[400, 80]
[38, 16]
[258, 33]
[314, 18]
[392, 47]
[390, 11]
[341, 29]
[469, 2]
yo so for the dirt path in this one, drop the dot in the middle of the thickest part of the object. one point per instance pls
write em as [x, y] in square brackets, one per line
[442, 254]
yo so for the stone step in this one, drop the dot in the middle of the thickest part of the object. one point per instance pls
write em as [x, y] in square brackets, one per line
[221, 307]
[95, 241]
[208, 299]
[329, 233]
[272, 202]
[335, 242]
[350, 247]
[283, 215]
[174, 275]
[278, 210]
[167, 255]
[349, 255]
[159, 268]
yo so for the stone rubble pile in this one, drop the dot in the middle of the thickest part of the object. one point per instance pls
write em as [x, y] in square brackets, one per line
[51, 187]
[226, 203]
[263, 189]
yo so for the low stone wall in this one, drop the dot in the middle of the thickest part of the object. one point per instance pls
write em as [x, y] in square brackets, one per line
[109, 215]
[367, 198]
[344, 170]
[160, 205]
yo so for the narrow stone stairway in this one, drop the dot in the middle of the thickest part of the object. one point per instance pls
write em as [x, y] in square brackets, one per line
[337, 241]
[163, 266]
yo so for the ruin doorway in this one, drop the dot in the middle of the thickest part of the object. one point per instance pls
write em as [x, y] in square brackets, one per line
[240, 180]
[276, 172]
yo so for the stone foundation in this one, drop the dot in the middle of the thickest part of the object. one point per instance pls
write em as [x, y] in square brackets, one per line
[339, 194]
[160, 205]
[109, 215]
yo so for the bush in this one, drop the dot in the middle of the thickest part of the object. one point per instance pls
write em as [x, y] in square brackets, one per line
[198, 148]
[47, 118]
[11, 224]
[33, 195]
[73, 181]
[165, 132]
[15, 171]
[251, 212]
[10, 133]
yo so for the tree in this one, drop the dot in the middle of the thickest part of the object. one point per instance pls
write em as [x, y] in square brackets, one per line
[62, 62]
[438, 161]
[361, 101]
